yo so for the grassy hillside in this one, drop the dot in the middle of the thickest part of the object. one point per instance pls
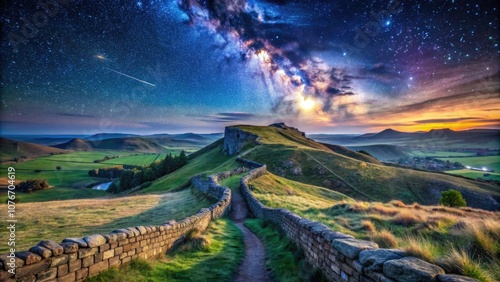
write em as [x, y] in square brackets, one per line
[208, 160]
[382, 152]
[76, 218]
[11, 149]
[287, 153]
[135, 144]
[446, 236]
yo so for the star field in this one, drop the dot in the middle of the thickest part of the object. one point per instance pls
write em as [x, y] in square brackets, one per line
[175, 66]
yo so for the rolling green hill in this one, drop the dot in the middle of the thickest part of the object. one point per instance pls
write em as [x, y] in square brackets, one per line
[382, 152]
[11, 149]
[288, 153]
[135, 144]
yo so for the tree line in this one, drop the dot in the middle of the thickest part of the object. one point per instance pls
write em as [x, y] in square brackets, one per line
[134, 177]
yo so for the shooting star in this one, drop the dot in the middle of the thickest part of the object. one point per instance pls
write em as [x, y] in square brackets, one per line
[126, 75]
[101, 57]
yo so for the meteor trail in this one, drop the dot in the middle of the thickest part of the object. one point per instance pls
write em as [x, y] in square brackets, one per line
[134, 78]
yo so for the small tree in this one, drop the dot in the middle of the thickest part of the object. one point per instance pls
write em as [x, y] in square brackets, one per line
[58, 167]
[452, 198]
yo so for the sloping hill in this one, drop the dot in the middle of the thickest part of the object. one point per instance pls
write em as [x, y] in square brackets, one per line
[135, 144]
[12, 149]
[355, 155]
[103, 136]
[382, 152]
[288, 153]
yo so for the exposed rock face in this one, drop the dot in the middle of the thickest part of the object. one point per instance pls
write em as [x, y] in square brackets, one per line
[455, 278]
[411, 269]
[235, 139]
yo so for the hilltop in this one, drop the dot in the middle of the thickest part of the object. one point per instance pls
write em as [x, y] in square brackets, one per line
[12, 150]
[135, 144]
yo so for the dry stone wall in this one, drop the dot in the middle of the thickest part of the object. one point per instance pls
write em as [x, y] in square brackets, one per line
[341, 257]
[78, 258]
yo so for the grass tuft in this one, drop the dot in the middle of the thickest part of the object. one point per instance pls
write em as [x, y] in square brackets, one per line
[384, 238]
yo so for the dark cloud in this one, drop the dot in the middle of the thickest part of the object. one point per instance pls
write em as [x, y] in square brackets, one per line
[380, 72]
[443, 120]
[74, 115]
[229, 117]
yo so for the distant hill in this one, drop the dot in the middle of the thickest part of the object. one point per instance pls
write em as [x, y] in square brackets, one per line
[436, 138]
[103, 136]
[11, 149]
[187, 140]
[352, 154]
[135, 144]
[382, 152]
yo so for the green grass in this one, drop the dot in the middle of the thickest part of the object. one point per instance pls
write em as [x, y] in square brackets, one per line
[428, 232]
[472, 174]
[218, 262]
[490, 162]
[286, 261]
[57, 220]
[209, 161]
[420, 153]
[232, 182]
[57, 194]
[141, 160]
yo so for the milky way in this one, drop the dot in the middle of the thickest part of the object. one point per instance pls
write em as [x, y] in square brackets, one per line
[327, 66]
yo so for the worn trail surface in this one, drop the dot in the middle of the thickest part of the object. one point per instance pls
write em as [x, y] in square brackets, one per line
[253, 267]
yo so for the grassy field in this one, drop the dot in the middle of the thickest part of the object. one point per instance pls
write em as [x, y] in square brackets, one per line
[141, 160]
[216, 262]
[420, 153]
[58, 194]
[289, 154]
[473, 174]
[460, 240]
[489, 162]
[57, 220]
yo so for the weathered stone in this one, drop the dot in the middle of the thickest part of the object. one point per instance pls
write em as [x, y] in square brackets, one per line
[53, 246]
[79, 241]
[29, 278]
[352, 247]
[98, 267]
[69, 248]
[62, 270]
[5, 275]
[75, 265]
[95, 240]
[7, 262]
[33, 269]
[86, 252]
[87, 261]
[454, 278]
[28, 257]
[70, 277]
[411, 269]
[51, 273]
[330, 235]
[142, 229]
[56, 261]
[82, 273]
[111, 238]
[41, 251]
[374, 259]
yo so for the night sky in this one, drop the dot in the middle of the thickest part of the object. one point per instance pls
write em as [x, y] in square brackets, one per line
[85, 67]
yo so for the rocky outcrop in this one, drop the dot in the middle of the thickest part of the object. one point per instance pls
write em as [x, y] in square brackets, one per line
[236, 139]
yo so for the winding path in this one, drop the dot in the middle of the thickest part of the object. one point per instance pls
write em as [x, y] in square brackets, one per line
[253, 267]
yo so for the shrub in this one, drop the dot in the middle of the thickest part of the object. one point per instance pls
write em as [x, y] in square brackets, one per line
[452, 198]
[58, 167]
[32, 185]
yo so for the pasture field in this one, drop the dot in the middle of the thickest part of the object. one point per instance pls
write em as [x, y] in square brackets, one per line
[56, 220]
[473, 174]
[141, 159]
[489, 162]
[460, 240]
[421, 153]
